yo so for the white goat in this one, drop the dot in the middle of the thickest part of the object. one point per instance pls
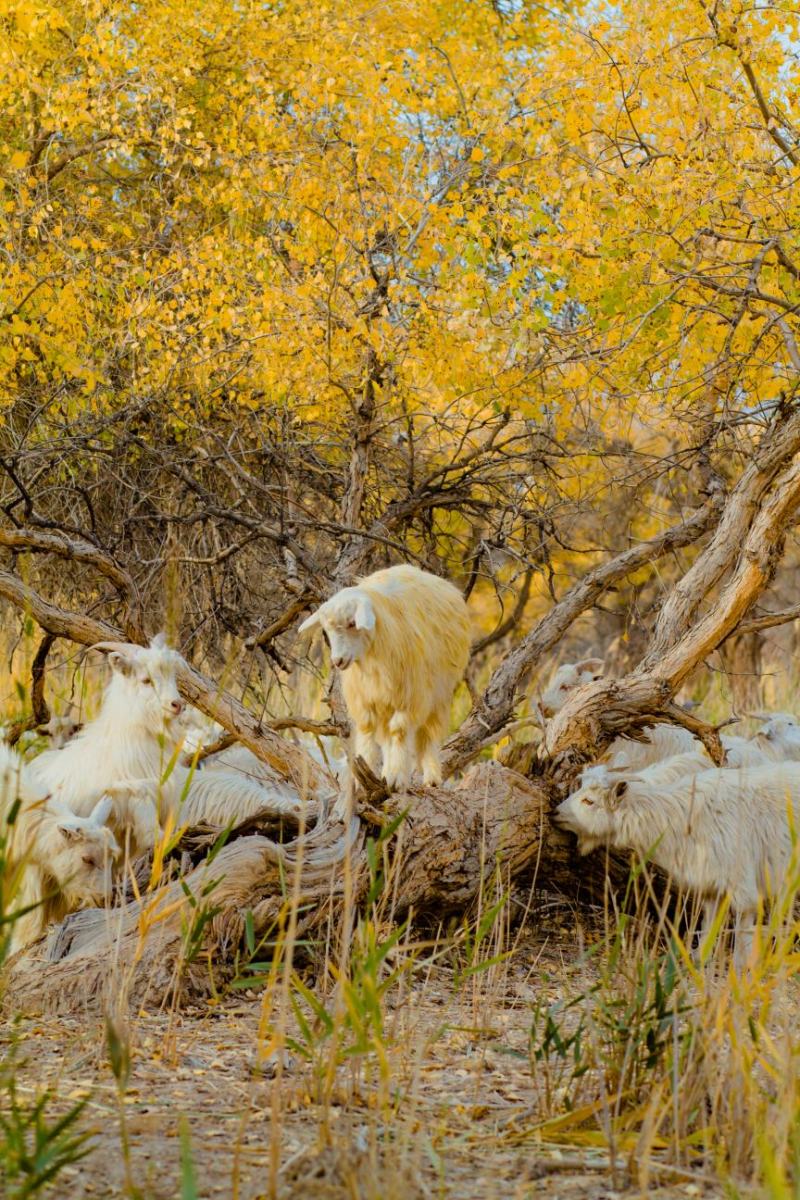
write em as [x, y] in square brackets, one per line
[662, 741]
[237, 761]
[59, 730]
[59, 861]
[748, 752]
[401, 639]
[663, 773]
[666, 740]
[659, 741]
[567, 678]
[779, 738]
[719, 833]
[132, 741]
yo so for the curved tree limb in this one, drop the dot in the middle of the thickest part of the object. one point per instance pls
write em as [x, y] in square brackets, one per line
[595, 713]
[40, 714]
[39, 541]
[495, 707]
[511, 620]
[769, 621]
[777, 446]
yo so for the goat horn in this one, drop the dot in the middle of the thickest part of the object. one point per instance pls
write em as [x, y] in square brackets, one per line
[120, 647]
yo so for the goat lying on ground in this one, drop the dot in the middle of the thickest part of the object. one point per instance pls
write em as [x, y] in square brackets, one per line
[59, 861]
[130, 749]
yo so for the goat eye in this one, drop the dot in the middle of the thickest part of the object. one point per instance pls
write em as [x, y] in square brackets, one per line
[147, 681]
[88, 861]
[351, 624]
[587, 800]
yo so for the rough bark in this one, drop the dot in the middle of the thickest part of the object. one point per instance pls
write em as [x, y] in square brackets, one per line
[39, 541]
[137, 954]
[452, 839]
[741, 662]
[496, 706]
[777, 448]
[594, 714]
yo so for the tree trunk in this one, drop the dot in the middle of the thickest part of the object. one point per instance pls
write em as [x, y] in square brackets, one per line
[741, 662]
[453, 840]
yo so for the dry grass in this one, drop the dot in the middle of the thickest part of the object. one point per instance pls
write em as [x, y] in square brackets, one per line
[456, 1115]
[552, 1071]
[530, 1051]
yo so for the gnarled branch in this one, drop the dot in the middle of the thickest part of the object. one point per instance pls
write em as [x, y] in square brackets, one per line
[495, 707]
[39, 541]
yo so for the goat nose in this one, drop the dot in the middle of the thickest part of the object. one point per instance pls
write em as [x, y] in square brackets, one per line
[177, 706]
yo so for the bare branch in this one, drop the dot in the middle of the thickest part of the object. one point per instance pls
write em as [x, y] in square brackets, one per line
[768, 621]
[595, 713]
[37, 541]
[777, 446]
[495, 707]
[40, 713]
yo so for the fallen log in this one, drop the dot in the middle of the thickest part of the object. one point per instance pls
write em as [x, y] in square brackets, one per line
[179, 942]
[185, 939]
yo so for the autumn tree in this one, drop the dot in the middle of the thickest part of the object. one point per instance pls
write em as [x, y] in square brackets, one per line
[292, 292]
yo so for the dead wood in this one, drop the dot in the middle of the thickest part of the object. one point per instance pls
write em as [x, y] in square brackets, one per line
[451, 840]
[40, 541]
[226, 740]
[496, 706]
[776, 449]
[446, 850]
[594, 714]
[40, 713]
[768, 621]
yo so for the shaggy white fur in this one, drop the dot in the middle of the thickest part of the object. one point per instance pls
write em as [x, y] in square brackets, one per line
[401, 639]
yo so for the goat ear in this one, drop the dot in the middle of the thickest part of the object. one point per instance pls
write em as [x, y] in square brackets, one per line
[617, 792]
[365, 614]
[120, 663]
[596, 666]
[159, 641]
[310, 622]
[70, 833]
[101, 811]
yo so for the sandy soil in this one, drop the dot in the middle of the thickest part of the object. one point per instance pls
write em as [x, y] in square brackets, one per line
[455, 1117]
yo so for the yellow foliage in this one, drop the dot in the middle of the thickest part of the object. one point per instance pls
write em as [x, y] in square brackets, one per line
[511, 207]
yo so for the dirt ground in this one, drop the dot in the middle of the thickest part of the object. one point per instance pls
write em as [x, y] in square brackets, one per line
[456, 1119]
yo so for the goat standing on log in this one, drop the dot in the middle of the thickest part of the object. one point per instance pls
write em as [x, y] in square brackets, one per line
[401, 639]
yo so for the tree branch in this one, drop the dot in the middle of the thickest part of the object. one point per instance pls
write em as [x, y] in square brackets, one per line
[40, 713]
[768, 621]
[596, 713]
[778, 445]
[495, 707]
[37, 541]
[292, 762]
[511, 620]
